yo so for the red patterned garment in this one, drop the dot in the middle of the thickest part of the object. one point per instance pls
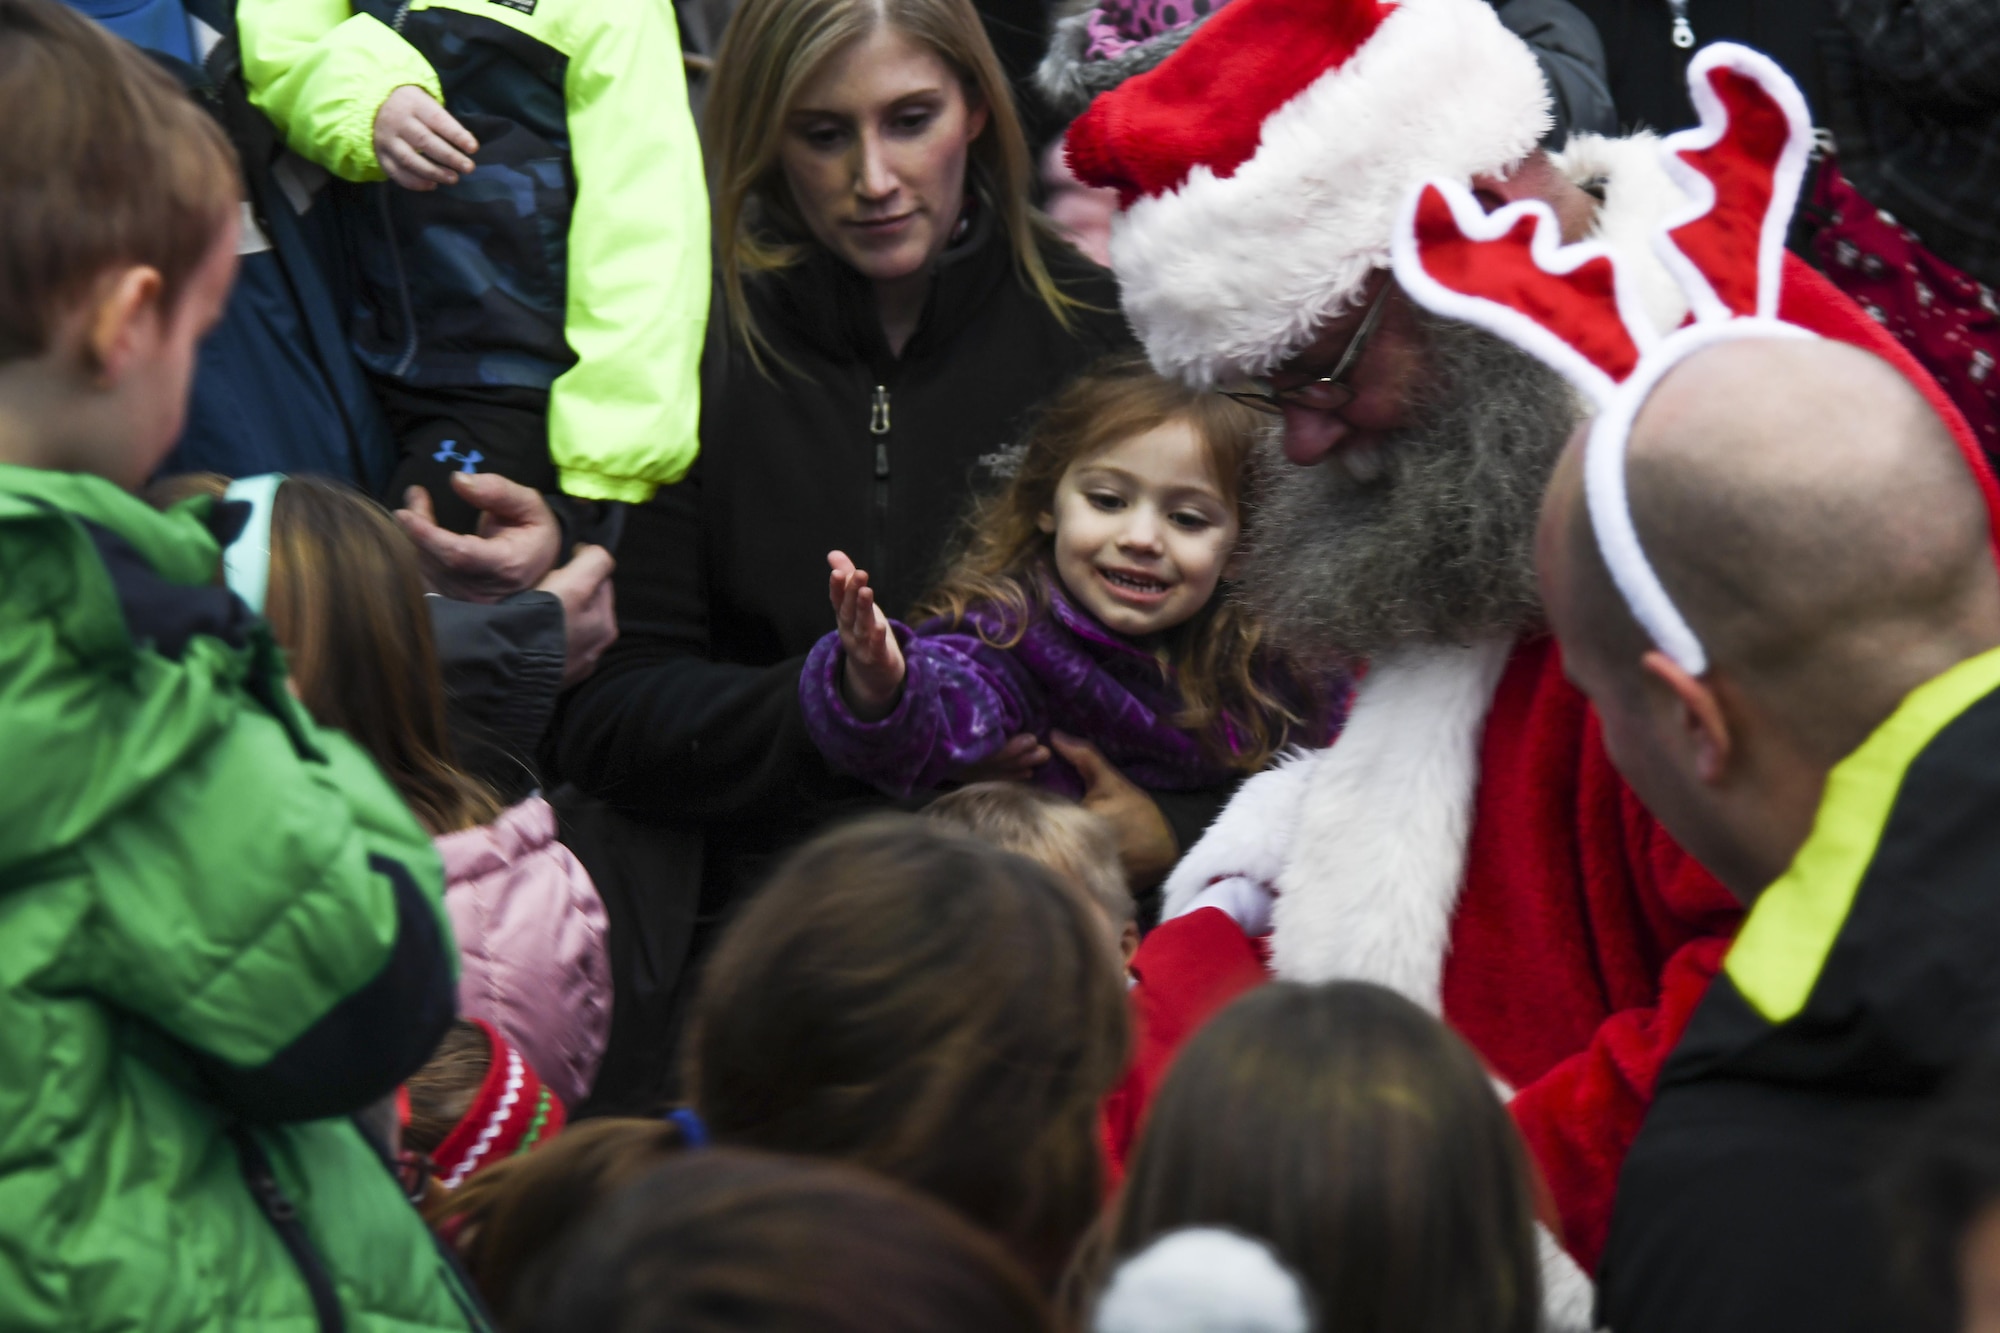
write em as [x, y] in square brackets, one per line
[1949, 320]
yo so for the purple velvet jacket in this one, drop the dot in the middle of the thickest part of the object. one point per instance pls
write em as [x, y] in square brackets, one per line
[963, 698]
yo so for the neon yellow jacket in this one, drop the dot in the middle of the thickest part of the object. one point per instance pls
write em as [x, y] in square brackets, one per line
[632, 281]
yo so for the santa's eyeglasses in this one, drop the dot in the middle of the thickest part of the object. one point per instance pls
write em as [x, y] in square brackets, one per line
[1331, 391]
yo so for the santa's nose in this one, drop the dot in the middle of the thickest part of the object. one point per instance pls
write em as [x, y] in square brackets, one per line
[1310, 436]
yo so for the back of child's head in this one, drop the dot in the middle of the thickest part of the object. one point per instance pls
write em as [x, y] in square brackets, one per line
[505, 1218]
[1362, 1141]
[106, 163]
[1049, 829]
[346, 602]
[476, 1103]
[1237, 696]
[926, 1005]
[724, 1240]
[1942, 1189]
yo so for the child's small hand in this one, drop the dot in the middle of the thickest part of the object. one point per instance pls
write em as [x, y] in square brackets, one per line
[872, 661]
[418, 143]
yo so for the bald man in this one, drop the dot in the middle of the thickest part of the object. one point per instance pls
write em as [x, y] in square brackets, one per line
[1838, 768]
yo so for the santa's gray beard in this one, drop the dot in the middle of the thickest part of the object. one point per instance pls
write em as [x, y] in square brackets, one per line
[1438, 544]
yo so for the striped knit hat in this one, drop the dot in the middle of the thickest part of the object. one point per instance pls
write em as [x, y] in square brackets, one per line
[511, 1113]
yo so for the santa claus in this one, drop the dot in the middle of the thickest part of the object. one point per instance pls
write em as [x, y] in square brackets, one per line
[1466, 840]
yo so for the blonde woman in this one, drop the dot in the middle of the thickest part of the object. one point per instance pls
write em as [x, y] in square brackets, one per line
[889, 308]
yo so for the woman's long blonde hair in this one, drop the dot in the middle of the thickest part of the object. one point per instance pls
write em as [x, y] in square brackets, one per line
[771, 50]
[1232, 687]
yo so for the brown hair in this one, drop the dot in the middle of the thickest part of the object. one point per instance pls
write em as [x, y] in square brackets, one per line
[926, 1005]
[1048, 829]
[346, 602]
[773, 48]
[507, 1216]
[723, 1240]
[1359, 1138]
[105, 162]
[1232, 697]
[441, 1092]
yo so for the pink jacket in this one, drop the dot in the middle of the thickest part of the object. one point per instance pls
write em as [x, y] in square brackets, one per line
[530, 930]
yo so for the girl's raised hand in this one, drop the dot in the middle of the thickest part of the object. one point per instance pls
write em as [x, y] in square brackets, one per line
[871, 674]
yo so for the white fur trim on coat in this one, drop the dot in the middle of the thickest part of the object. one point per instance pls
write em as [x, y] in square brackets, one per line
[1250, 839]
[1569, 1298]
[1368, 891]
[1228, 276]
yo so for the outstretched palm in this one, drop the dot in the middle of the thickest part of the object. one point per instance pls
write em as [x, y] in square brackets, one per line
[872, 660]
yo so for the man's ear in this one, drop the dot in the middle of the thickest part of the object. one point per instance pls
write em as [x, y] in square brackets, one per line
[126, 320]
[1699, 722]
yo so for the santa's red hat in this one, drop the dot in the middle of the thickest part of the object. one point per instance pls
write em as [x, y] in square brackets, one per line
[1262, 166]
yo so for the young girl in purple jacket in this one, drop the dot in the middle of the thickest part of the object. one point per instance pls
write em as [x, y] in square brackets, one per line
[1088, 605]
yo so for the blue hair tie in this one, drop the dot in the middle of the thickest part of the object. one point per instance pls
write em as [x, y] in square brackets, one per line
[692, 1129]
[246, 562]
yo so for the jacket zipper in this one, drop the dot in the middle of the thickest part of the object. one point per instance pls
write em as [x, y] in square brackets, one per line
[878, 429]
[402, 12]
[284, 1219]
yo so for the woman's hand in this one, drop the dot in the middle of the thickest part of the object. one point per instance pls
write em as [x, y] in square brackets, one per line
[1146, 842]
[590, 615]
[1016, 761]
[418, 143]
[872, 668]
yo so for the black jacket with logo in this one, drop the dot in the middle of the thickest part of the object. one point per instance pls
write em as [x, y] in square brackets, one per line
[1861, 980]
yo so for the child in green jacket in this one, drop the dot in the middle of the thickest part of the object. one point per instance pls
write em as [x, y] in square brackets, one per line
[221, 931]
[534, 272]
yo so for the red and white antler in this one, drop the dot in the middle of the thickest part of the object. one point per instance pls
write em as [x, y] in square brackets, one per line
[1509, 273]
[1742, 167]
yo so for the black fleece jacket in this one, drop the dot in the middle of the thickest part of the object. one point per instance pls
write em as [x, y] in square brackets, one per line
[1861, 981]
[693, 717]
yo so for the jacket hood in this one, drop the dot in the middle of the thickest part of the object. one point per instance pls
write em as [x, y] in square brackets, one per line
[1873, 962]
[122, 653]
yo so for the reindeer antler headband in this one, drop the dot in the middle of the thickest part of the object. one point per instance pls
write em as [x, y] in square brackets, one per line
[1573, 307]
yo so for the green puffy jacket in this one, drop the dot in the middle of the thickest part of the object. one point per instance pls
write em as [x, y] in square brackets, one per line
[220, 931]
[577, 252]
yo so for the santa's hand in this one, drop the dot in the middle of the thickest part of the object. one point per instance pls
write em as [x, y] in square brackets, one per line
[872, 668]
[1243, 900]
[1146, 842]
[420, 145]
[1016, 761]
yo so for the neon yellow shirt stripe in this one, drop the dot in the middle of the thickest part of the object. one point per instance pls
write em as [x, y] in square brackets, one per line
[1784, 943]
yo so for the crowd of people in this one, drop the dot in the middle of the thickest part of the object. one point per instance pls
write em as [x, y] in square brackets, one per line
[1320, 665]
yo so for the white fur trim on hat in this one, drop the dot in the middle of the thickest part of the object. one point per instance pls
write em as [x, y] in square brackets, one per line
[1228, 276]
[1203, 1280]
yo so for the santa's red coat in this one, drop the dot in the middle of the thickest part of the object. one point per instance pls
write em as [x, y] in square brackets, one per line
[1581, 937]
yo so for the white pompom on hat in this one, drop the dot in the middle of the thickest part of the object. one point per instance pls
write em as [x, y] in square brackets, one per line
[1203, 1280]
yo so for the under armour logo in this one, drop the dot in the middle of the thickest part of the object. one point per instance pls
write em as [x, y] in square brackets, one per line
[448, 453]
